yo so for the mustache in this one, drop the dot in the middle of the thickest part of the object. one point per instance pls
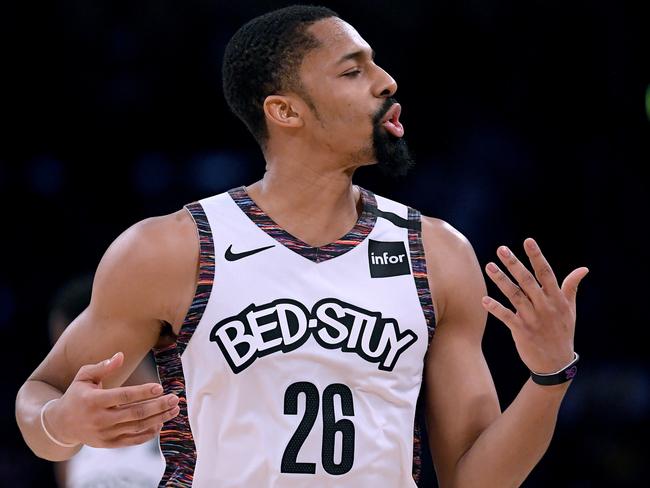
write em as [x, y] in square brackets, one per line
[392, 153]
[383, 110]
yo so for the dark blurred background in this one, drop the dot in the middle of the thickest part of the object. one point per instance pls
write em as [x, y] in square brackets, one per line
[526, 118]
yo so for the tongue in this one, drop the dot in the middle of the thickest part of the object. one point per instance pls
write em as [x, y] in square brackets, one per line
[395, 128]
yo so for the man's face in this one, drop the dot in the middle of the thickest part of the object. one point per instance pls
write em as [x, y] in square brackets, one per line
[352, 96]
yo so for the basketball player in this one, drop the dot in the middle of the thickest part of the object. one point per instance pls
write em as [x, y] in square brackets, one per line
[292, 320]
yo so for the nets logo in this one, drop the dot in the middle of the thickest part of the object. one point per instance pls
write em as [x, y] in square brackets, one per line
[387, 259]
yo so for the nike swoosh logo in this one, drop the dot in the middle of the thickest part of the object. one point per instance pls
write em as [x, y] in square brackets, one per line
[234, 256]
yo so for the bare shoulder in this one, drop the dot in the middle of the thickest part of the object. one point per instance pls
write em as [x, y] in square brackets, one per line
[145, 278]
[153, 245]
[161, 253]
[443, 238]
[161, 233]
[182, 249]
[451, 262]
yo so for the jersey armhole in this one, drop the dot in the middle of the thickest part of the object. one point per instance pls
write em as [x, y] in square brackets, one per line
[419, 269]
[176, 438]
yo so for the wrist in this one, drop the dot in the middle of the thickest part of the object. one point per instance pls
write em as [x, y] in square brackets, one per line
[564, 374]
[49, 423]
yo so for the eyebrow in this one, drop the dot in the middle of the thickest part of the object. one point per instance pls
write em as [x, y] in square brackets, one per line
[356, 55]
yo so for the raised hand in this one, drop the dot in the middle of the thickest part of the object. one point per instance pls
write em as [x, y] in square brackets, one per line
[115, 417]
[543, 324]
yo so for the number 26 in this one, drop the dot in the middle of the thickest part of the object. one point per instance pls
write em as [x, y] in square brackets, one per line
[330, 427]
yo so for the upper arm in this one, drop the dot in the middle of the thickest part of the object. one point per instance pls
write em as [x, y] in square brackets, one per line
[461, 399]
[133, 285]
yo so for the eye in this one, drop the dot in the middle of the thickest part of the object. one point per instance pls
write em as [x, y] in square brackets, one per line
[352, 73]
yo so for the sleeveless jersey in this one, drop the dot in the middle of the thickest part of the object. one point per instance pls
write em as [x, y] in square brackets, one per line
[299, 366]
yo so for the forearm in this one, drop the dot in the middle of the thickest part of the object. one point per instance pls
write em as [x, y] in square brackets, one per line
[29, 401]
[507, 451]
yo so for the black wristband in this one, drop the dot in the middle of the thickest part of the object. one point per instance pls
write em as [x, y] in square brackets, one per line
[565, 374]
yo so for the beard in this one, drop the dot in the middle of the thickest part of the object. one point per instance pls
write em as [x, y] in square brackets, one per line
[392, 153]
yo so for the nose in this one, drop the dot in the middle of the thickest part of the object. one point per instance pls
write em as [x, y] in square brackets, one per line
[387, 86]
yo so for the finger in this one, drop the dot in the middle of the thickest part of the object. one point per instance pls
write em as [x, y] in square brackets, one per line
[96, 372]
[140, 425]
[571, 282]
[543, 271]
[142, 410]
[133, 439]
[508, 288]
[128, 394]
[524, 277]
[502, 313]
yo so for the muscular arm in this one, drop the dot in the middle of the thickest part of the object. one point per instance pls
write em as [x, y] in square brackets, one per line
[472, 442]
[134, 290]
[461, 399]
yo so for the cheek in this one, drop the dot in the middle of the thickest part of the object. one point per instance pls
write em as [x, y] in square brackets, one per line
[354, 121]
[345, 120]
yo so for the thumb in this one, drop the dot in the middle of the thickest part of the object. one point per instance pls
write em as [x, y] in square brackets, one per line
[571, 282]
[97, 372]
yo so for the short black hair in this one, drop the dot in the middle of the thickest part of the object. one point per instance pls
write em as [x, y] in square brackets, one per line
[263, 58]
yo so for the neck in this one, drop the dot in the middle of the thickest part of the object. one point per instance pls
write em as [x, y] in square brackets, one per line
[317, 206]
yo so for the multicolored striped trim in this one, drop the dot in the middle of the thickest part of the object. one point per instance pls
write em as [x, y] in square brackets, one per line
[419, 266]
[417, 444]
[359, 232]
[176, 440]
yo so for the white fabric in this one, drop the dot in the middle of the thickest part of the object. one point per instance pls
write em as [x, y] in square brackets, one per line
[139, 466]
[238, 422]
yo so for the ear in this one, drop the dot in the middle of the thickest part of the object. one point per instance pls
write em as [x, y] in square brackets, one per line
[281, 110]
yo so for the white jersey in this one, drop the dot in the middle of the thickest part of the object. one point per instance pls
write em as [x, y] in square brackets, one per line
[299, 366]
[139, 466]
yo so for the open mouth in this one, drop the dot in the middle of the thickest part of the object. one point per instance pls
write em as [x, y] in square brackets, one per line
[391, 121]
